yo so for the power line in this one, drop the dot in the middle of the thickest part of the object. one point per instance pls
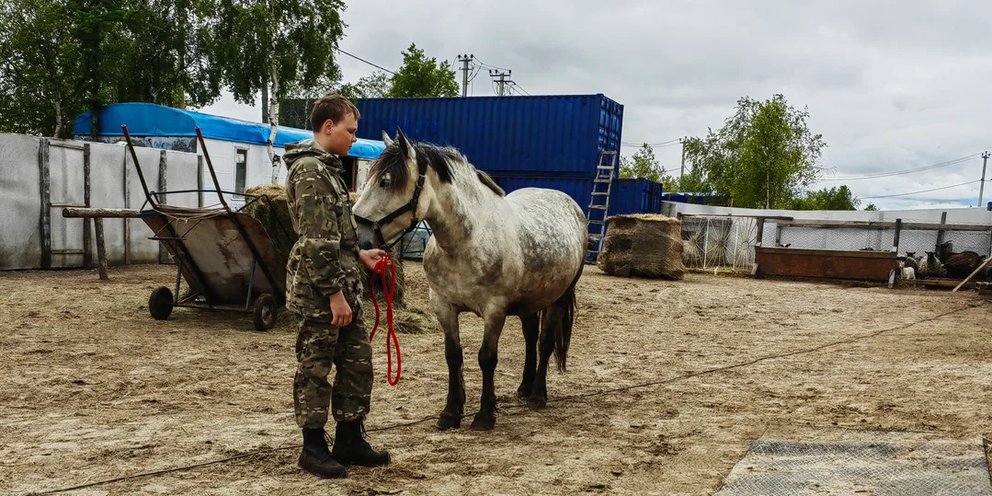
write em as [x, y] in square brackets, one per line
[520, 88]
[922, 191]
[671, 142]
[906, 171]
[356, 57]
[478, 69]
[490, 66]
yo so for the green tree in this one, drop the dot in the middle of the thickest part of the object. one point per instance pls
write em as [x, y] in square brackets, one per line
[61, 57]
[690, 182]
[642, 164]
[158, 54]
[277, 47]
[39, 68]
[871, 208]
[762, 157]
[836, 198]
[422, 77]
[375, 85]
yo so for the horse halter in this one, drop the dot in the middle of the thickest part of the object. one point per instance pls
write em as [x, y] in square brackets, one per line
[411, 206]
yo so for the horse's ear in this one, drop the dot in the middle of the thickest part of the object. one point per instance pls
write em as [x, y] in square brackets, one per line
[386, 139]
[405, 147]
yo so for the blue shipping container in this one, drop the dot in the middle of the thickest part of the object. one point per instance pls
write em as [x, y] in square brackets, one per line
[519, 136]
[627, 196]
[635, 196]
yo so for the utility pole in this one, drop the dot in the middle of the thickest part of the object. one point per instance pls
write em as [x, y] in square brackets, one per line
[465, 60]
[502, 79]
[682, 167]
[981, 189]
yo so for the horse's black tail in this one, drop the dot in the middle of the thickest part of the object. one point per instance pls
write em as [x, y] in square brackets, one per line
[558, 318]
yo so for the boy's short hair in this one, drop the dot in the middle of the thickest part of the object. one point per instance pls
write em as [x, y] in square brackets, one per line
[333, 107]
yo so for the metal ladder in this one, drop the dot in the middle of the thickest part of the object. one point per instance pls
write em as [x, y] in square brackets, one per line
[599, 203]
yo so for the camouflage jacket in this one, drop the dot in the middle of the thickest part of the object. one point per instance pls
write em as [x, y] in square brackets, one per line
[325, 257]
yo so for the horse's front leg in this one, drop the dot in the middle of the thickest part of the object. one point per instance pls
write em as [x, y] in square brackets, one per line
[485, 420]
[454, 408]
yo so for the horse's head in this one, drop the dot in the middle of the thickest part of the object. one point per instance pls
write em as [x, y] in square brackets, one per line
[397, 193]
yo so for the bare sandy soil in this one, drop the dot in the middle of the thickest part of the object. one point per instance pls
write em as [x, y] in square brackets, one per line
[668, 385]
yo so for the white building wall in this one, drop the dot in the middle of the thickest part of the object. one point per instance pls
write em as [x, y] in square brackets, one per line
[110, 170]
[114, 183]
[20, 209]
[856, 239]
[112, 173]
[223, 154]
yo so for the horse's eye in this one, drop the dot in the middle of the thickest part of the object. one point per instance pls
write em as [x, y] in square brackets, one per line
[384, 181]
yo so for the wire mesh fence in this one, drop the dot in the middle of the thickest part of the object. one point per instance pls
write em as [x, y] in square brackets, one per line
[728, 242]
[712, 242]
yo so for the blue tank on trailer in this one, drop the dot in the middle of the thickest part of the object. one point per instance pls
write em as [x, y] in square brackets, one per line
[519, 136]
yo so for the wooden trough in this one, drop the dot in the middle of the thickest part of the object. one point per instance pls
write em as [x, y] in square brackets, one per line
[830, 264]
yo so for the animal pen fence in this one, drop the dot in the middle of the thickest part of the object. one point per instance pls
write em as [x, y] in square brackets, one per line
[729, 241]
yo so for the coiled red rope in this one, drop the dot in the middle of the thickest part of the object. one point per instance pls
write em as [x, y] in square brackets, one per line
[380, 270]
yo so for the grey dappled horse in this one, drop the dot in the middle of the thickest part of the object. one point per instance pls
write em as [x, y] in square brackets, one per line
[491, 254]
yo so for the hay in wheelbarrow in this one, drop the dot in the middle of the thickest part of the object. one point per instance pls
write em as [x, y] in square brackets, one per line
[271, 208]
[643, 245]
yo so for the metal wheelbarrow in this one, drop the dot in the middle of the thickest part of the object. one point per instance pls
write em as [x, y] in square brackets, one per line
[227, 258]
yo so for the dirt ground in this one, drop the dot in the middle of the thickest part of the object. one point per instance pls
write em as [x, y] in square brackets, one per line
[668, 385]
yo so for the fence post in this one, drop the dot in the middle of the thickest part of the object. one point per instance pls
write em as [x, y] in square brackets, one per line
[87, 237]
[940, 233]
[163, 253]
[127, 204]
[101, 250]
[895, 237]
[46, 208]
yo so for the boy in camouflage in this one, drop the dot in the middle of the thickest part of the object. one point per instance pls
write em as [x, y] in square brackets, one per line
[324, 287]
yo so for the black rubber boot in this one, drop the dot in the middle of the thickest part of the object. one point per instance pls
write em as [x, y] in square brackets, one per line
[351, 448]
[316, 459]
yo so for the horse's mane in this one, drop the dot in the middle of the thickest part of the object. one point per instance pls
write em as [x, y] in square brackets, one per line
[439, 158]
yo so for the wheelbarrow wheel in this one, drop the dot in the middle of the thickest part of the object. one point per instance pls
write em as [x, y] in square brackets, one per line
[265, 312]
[160, 303]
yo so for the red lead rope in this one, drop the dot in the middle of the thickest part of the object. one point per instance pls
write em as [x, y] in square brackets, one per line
[388, 289]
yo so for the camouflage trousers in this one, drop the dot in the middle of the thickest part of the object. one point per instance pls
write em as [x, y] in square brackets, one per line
[318, 346]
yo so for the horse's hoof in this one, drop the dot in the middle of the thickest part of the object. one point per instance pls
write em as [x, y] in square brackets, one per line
[523, 393]
[536, 403]
[483, 424]
[449, 422]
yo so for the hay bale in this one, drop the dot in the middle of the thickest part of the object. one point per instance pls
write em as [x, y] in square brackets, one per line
[271, 208]
[643, 245]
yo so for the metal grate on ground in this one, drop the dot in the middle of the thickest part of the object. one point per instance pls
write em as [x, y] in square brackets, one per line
[861, 462]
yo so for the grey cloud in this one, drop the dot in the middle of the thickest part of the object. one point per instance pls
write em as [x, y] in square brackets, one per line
[890, 84]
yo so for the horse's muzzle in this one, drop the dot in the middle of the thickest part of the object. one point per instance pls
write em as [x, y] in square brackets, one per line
[366, 237]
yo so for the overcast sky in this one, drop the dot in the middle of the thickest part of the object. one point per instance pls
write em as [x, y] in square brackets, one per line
[890, 85]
